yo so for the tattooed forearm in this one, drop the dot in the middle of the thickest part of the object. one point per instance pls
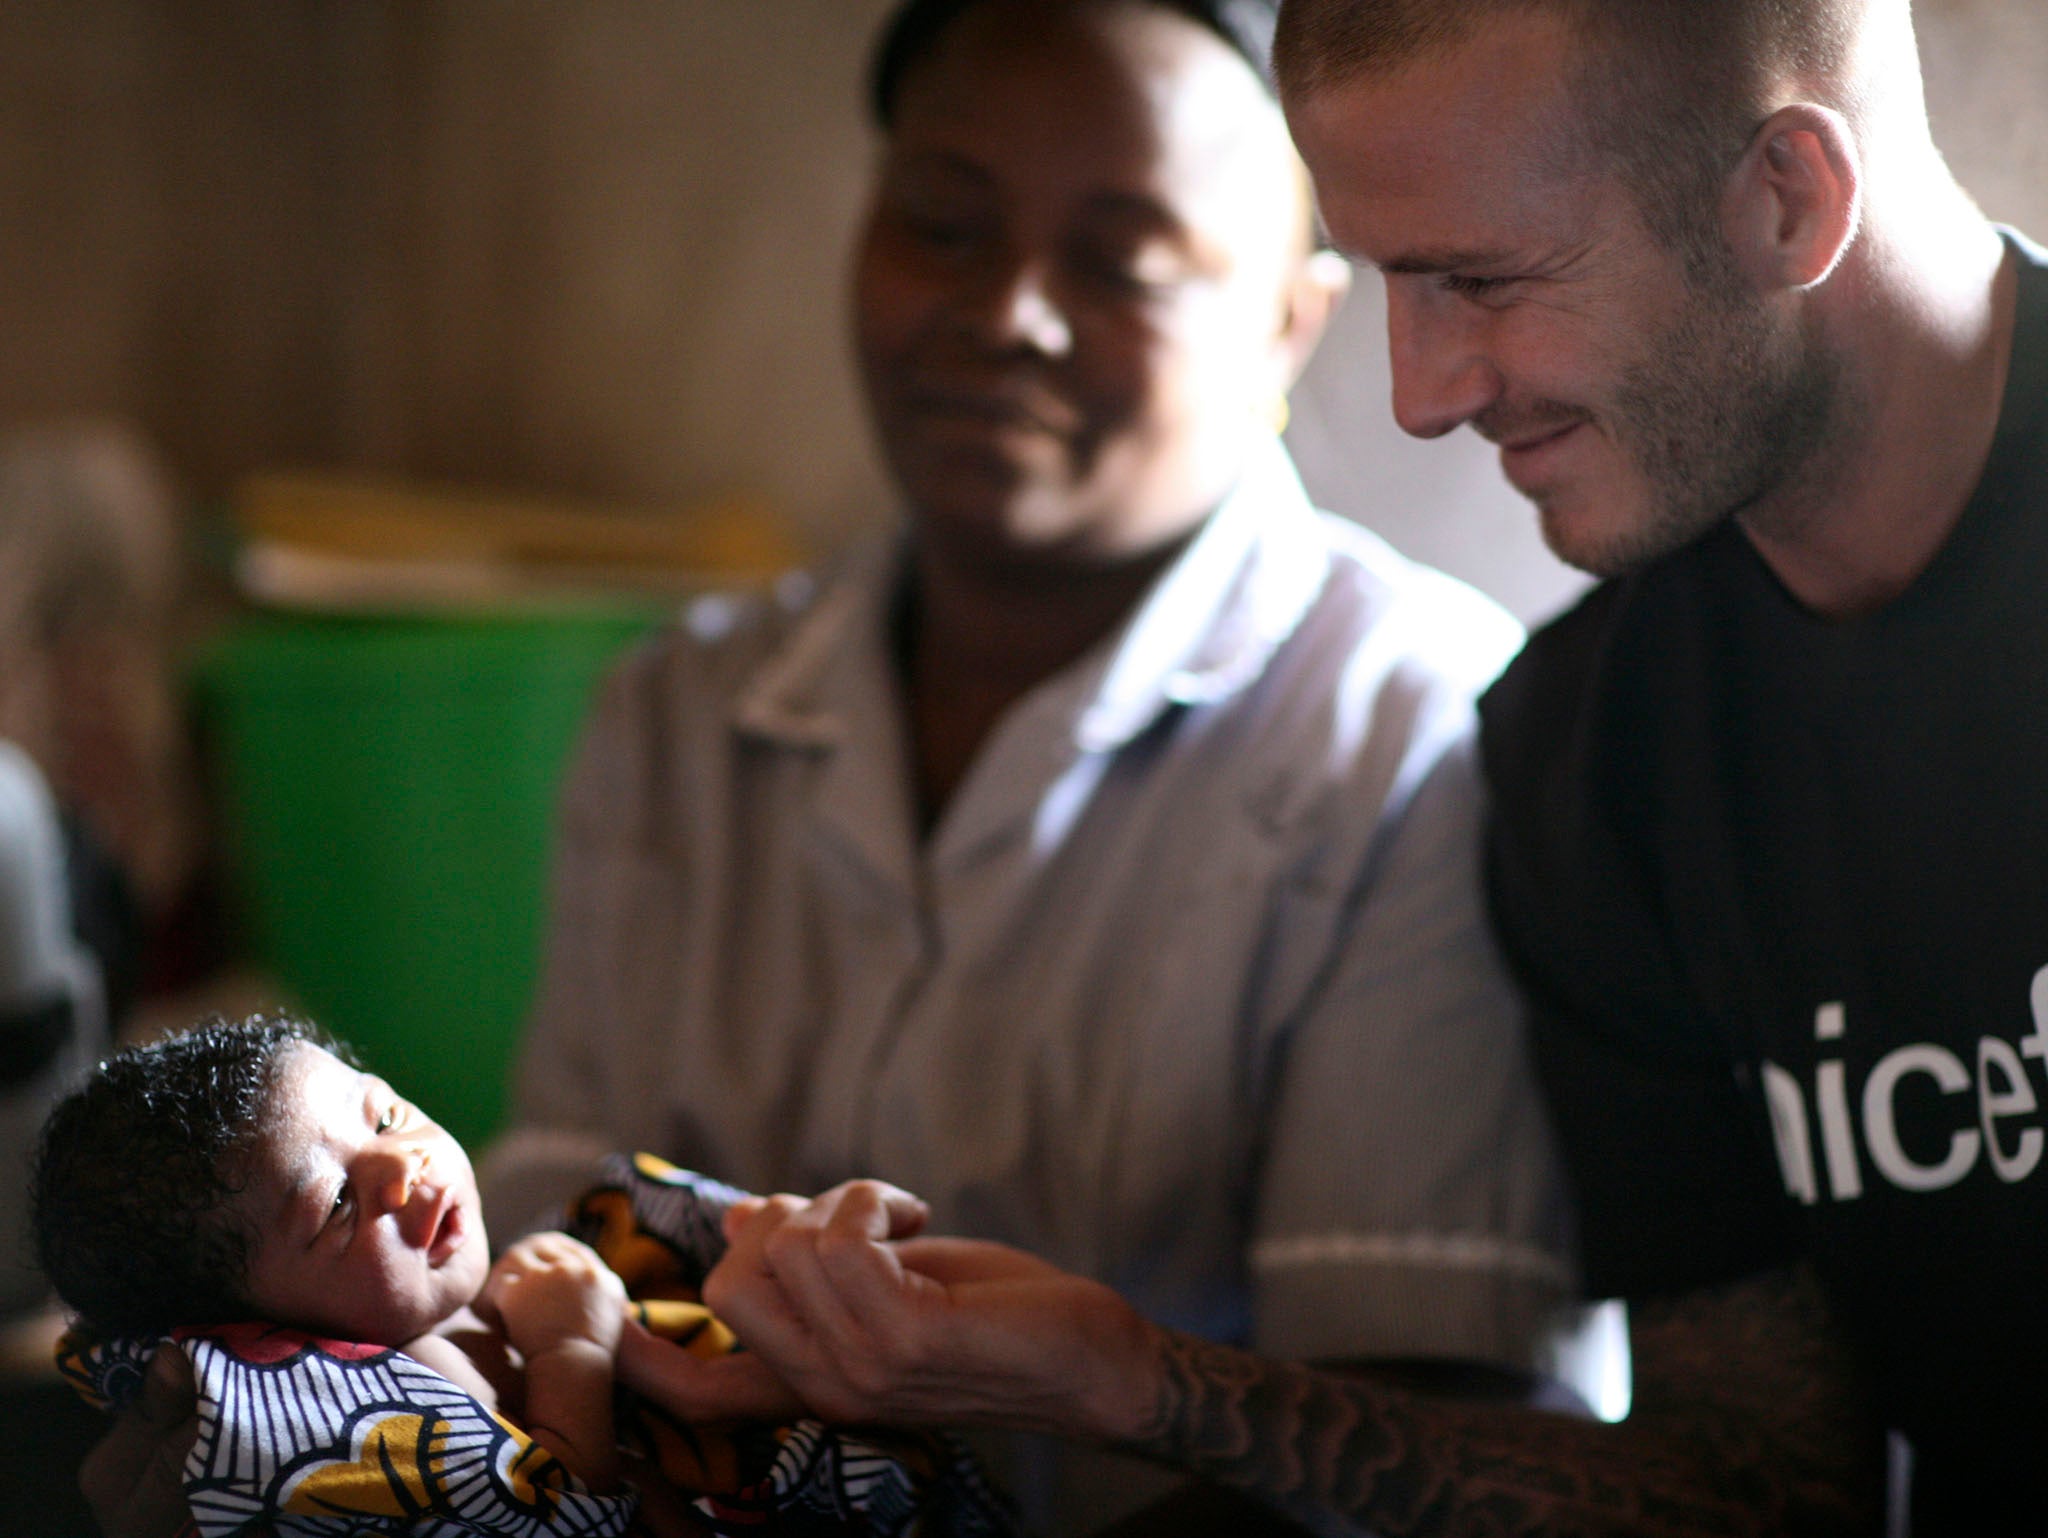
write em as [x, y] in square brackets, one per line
[1746, 1422]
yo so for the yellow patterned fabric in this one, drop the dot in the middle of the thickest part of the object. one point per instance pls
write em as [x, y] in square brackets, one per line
[325, 1438]
[309, 1438]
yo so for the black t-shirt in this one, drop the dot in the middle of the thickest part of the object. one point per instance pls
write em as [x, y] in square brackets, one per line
[1778, 890]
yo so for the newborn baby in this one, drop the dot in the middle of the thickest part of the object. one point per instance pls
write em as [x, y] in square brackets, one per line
[314, 1241]
[245, 1172]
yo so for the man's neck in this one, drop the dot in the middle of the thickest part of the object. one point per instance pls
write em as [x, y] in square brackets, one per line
[1928, 342]
[977, 638]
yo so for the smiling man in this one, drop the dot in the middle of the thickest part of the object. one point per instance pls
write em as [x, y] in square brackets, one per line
[1636, 392]
[1766, 851]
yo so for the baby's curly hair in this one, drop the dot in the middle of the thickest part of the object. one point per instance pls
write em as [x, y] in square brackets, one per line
[137, 1167]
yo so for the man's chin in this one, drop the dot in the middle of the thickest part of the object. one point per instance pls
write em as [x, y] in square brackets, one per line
[1580, 539]
[1586, 533]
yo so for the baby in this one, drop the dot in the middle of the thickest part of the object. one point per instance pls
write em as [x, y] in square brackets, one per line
[247, 1171]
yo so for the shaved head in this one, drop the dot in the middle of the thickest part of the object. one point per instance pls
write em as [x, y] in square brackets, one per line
[1671, 91]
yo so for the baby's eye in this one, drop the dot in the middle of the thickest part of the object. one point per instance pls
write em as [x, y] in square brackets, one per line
[392, 1115]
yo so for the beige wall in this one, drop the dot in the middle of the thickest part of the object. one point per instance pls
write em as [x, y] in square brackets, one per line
[593, 248]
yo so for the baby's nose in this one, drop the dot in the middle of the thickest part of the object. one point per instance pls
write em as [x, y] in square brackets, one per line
[400, 1173]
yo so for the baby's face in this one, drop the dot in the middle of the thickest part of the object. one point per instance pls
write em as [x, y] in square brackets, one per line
[366, 1211]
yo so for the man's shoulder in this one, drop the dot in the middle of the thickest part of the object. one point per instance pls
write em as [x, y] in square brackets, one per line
[1578, 738]
[1539, 702]
[2031, 252]
[2024, 415]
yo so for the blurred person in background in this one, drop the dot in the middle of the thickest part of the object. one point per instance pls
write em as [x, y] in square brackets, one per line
[93, 593]
[99, 832]
[52, 1008]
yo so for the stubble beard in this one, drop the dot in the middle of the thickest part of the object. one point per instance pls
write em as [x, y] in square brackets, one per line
[1725, 413]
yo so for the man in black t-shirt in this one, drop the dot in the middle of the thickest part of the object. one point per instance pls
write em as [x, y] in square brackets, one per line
[1768, 851]
[1775, 879]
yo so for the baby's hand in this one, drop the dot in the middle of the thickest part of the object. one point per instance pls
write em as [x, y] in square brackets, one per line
[563, 1309]
[548, 1290]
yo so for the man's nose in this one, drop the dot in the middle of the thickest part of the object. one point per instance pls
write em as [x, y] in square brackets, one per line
[1443, 376]
[1016, 306]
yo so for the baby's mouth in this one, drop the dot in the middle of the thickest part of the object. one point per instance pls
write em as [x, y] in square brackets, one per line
[448, 1234]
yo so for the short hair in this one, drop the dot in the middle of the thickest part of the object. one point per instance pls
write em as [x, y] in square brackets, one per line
[137, 1169]
[916, 26]
[1673, 89]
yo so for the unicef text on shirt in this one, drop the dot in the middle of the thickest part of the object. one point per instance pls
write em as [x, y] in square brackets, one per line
[2003, 1093]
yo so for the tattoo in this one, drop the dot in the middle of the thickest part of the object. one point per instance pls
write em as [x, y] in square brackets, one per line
[1747, 1420]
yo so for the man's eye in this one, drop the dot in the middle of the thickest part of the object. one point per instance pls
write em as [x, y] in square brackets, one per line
[943, 228]
[342, 1202]
[946, 234]
[1139, 267]
[1473, 287]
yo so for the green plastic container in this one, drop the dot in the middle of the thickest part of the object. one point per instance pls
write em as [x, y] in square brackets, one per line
[391, 785]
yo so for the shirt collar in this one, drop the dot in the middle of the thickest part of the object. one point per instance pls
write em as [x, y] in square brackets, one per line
[833, 661]
[1217, 614]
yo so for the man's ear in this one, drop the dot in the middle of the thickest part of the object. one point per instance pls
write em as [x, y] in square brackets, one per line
[1793, 204]
[1313, 296]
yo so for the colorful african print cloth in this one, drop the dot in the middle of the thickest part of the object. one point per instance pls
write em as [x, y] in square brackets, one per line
[308, 1438]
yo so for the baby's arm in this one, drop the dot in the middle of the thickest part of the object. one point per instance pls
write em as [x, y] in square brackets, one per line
[563, 1308]
[455, 1364]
